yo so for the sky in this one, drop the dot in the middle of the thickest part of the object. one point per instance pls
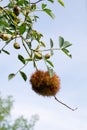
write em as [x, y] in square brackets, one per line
[71, 23]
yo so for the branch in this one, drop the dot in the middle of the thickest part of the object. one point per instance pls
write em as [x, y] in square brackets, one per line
[21, 68]
[37, 2]
[23, 40]
[50, 49]
[65, 104]
[3, 48]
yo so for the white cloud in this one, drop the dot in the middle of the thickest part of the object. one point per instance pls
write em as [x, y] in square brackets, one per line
[55, 118]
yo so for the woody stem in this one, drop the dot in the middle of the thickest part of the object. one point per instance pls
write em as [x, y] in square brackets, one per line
[64, 104]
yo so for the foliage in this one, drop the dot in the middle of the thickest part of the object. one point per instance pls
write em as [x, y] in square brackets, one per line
[16, 23]
[5, 119]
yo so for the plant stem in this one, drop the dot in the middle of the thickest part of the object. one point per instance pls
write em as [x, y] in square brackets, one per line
[50, 49]
[23, 40]
[3, 47]
[21, 68]
[64, 104]
[37, 2]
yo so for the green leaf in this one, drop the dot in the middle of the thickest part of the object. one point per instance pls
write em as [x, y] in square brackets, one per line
[33, 7]
[61, 2]
[51, 43]
[3, 22]
[49, 12]
[26, 2]
[10, 76]
[66, 52]
[50, 63]
[42, 44]
[23, 75]
[1, 118]
[22, 28]
[8, 31]
[50, 71]
[61, 41]
[43, 6]
[66, 44]
[52, 1]
[51, 46]
[21, 2]
[21, 58]
[6, 52]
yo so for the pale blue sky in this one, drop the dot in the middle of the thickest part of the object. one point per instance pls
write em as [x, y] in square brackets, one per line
[71, 23]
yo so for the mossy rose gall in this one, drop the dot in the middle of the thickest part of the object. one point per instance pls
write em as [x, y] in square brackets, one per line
[45, 85]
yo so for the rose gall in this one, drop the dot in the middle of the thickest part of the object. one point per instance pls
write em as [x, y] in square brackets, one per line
[45, 85]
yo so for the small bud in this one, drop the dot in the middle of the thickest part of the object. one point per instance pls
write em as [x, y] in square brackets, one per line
[47, 56]
[16, 45]
[38, 55]
[16, 10]
[5, 37]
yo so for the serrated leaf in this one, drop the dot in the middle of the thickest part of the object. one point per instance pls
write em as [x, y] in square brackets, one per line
[10, 76]
[22, 28]
[66, 44]
[61, 41]
[61, 2]
[50, 63]
[50, 71]
[21, 58]
[67, 52]
[23, 75]
[5, 51]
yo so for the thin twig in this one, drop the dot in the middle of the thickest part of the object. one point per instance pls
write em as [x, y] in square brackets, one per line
[23, 40]
[3, 47]
[21, 68]
[37, 2]
[64, 104]
[50, 49]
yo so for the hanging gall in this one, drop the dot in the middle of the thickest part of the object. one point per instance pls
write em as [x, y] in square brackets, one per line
[45, 85]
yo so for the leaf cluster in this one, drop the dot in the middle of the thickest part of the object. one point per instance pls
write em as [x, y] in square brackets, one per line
[64, 45]
[16, 23]
[5, 117]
